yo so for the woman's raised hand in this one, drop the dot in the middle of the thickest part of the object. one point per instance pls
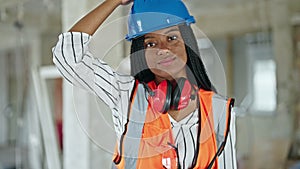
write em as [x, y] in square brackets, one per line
[126, 2]
[92, 20]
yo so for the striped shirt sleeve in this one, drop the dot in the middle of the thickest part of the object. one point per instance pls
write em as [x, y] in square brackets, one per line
[227, 159]
[78, 66]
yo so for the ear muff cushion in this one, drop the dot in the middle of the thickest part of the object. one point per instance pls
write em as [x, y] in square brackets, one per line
[161, 100]
[181, 94]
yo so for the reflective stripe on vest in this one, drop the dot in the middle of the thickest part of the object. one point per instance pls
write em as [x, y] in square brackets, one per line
[148, 134]
[134, 128]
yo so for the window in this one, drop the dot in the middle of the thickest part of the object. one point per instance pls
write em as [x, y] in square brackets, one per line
[262, 73]
[264, 85]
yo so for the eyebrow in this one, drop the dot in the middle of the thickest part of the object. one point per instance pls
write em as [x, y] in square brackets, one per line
[171, 30]
[168, 31]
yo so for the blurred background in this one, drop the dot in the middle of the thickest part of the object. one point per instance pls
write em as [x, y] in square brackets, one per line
[258, 42]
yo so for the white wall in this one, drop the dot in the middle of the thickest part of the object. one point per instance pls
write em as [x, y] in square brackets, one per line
[4, 107]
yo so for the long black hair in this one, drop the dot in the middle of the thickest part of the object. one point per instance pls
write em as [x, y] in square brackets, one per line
[196, 71]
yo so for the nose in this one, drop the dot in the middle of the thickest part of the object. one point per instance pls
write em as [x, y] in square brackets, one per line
[162, 52]
[163, 49]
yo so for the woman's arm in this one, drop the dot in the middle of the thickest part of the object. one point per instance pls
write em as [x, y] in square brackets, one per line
[91, 22]
[77, 65]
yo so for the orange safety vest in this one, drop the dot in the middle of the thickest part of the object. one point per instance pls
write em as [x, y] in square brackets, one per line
[147, 141]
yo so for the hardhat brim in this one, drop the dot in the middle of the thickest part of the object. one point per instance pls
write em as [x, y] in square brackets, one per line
[142, 23]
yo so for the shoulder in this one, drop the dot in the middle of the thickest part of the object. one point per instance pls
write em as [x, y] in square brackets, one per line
[205, 94]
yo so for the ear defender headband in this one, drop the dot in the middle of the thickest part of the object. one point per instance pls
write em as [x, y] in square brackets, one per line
[163, 97]
[150, 15]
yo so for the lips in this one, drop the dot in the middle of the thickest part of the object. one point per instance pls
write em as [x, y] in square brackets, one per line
[167, 61]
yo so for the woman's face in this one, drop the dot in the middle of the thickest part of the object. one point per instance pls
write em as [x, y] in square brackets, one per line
[165, 53]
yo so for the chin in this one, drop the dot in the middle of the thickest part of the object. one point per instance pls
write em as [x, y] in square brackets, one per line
[169, 73]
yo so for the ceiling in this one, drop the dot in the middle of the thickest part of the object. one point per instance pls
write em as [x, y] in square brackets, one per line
[35, 11]
[45, 15]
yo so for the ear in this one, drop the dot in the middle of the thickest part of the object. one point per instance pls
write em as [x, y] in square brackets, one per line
[181, 94]
[161, 100]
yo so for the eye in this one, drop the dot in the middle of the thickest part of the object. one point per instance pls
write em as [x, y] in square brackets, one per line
[150, 45]
[172, 37]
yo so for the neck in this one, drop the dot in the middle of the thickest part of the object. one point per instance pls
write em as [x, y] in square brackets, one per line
[171, 77]
[178, 115]
[159, 79]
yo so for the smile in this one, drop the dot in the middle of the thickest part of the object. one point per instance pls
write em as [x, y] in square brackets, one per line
[167, 61]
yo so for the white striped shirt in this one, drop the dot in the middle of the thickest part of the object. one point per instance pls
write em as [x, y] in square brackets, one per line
[78, 66]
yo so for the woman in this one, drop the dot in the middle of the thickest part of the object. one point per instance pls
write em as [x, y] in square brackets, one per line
[166, 113]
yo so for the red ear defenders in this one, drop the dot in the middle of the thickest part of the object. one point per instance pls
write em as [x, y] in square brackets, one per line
[164, 97]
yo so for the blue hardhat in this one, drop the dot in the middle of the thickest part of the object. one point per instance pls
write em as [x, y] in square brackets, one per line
[150, 15]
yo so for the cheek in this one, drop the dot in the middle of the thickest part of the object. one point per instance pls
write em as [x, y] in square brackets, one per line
[181, 53]
[150, 59]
